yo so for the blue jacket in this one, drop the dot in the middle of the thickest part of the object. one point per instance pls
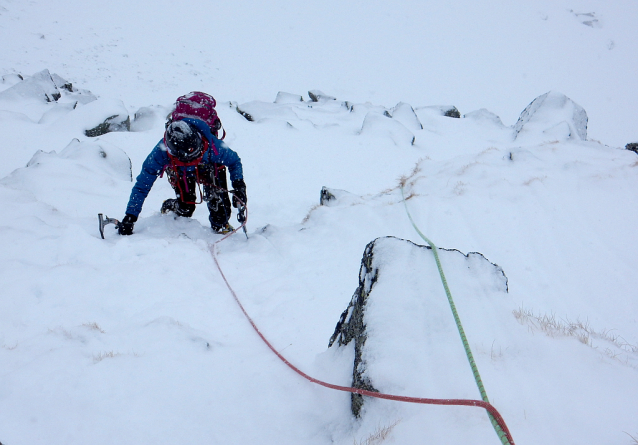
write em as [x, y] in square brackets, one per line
[157, 161]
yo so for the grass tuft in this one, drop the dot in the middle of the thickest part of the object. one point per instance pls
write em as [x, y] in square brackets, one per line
[578, 329]
[403, 180]
[102, 355]
[93, 326]
[307, 217]
[378, 436]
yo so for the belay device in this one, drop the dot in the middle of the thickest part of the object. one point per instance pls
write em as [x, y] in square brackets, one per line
[106, 220]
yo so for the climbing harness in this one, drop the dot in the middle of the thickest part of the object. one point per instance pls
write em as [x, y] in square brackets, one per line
[495, 417]
[503, 434]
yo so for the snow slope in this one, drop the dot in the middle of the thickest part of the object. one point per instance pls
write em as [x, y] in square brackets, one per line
[137, 339]
[492, 55]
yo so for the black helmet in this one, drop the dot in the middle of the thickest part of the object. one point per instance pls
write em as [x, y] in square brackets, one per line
[183, 141]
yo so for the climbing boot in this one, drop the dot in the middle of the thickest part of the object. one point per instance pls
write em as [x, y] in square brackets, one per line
[222, 230]
[179, 208]
[170, 205]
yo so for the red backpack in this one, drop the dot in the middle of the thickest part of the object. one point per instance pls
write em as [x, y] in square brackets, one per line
[198, 105]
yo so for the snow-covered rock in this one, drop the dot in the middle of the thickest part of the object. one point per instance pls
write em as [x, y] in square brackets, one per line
[42, 87]
[485, 117]
[68, 179]
[405, 114]
[377, 124]
[551, 116]
[632, 146]
[146, 118]
[399, 280]
[320, 96]
[115, 120]
[39, 87]
[287, 98]
[441, 110]
[332, 197]
[95, 118]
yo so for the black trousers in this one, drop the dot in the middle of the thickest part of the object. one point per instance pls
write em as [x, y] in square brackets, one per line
[215, 193]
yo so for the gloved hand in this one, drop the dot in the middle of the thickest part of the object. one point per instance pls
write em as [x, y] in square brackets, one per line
[126, 225]
[239, 193]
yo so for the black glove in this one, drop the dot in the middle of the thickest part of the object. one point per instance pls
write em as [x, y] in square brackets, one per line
[126, 225]
[239, 194]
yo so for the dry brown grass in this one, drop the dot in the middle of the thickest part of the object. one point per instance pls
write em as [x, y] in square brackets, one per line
[581, 330]
[102, 355]
[307, 217]
[403, 180]
[93, 326]
[532, 180]
[378, 436]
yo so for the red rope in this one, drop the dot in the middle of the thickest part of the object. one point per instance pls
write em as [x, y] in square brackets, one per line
[457, 402]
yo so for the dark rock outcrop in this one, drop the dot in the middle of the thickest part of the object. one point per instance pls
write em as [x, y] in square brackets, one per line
[319, 96]
[452, 112]
[351, 326]
[442, 110]
[632, 146]
[334, 197]
[398, 301]
[116, 122]
[245, 114]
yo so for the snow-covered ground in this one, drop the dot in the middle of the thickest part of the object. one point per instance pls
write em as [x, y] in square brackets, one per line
[138, 340]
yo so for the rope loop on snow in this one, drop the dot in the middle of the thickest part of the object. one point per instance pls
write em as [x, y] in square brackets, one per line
[494, 415]
[499, 426]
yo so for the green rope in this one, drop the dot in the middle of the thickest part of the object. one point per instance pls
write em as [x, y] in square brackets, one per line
[499, 431]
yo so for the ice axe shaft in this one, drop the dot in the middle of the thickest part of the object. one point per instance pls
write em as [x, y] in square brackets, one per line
[104, 220]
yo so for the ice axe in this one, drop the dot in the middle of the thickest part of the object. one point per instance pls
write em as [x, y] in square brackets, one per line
[241, 217]
[104, 220]
[241, 211]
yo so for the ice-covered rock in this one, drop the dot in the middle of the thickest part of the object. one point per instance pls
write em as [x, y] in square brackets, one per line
[551, 117]
[393, 358]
